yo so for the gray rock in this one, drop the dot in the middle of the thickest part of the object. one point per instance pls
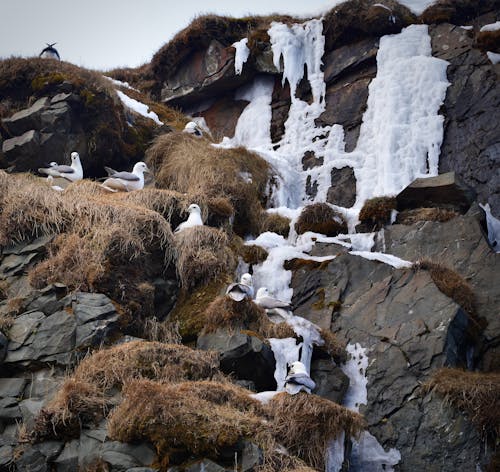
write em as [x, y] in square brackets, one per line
[29, 410]
[22, 150]
[343, 187]
[12, 387]
[22, 329]
[50, 449]
[247, 357]
[331, 382]
[57, 117]
[55, 335]
[14, 264]
[445, 190]
[251, 456]
[470, 143]
[89, 450]
[67, 461]
[44, 383]
[204, 465]
[3, 346]
[27, 119]
[9, 409]
[142, 469]
[6, 455]
[33, 460]
[60, 97]
[122, 456]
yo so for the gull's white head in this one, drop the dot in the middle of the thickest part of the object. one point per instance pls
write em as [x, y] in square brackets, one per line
[75, 157]
[192, 128]
[52, 164]
[194, 208]
[262, 292]
[140, 168]
[246, 279]
[297, 367]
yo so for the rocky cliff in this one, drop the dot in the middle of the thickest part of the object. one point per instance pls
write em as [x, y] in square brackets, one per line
[344, 162]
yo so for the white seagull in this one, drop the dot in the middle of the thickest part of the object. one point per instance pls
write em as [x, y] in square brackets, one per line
[194, 218]
[276, 310]
[298, 379]
[241, 290]
[127, 181]
[192, 128]
[71, 173]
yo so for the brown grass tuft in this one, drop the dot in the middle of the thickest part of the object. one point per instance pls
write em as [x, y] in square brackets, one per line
[189, 165]
[94, 228]
[276, 224]
[253, 254]
[203, 255]
[305, 424]
[113, 367]
[161, 331]
[409, 217]
[76, 402]
[333, 346]
[320, 218]
[452, 284]
[377, 211]
[177, 416]
[475, 393]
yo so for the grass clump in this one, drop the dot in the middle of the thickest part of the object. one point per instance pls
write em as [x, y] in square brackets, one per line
[246, 316]
[333, 346]
[377, 211]
[177, 416]
[276, 223]
[475, 393]
[189, 165]
[203, 255]
[409, 217]
[452, 284]
[320, 218]
[305, 424]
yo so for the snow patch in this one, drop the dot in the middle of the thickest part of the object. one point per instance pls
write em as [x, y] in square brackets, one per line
[355, 369]
[493, 225]
[138, 107]
[417, 6]
[491, 27]
[285, 352]
[394, 261]
[119, 83]
[494, 57]
[241, 54]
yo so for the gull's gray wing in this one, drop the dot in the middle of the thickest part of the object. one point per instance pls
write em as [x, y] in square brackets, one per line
[61, 169]
[301, 379]
[128, 176]
[110, 171]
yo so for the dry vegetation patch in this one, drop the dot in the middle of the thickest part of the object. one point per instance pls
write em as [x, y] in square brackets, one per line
[320, 218]
[224, 312]
[475, 393]
[173, 416]
[186, 164]
[333, 346]
[305, 424]
[409, 217]
[276, 223]
[377, 211]
[203, 255]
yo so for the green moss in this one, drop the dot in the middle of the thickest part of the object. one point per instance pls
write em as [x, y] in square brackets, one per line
[42, 81]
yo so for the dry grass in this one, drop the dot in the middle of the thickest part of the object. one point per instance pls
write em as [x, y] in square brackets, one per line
[452, 284]
[224, 312]
[115, 366]
[475, 393]
[177, 416]
[86, 396]
[94, 229]
[320, 218]
[189, 165]
[203, 255]
[276, 224]
[161, 331]
[409, 217]
[333, 346]
[305, 424]
[377, 211]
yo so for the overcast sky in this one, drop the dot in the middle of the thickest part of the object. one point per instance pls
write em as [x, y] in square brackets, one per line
[103, 34]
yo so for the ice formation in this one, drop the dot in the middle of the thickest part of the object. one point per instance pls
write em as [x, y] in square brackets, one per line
[241, 54]
[494, 57]
[491, 27]
[138, 107]
[493, 225]
[417, 6]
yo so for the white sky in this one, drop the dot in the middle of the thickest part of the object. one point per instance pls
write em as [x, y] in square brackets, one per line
[103, 34]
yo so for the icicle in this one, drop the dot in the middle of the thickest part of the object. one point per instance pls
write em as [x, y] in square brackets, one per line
[241, 54]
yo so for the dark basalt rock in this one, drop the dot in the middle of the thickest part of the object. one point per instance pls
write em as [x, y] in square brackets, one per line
[343, 189]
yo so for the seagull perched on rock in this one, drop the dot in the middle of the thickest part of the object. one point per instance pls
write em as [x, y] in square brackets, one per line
[193, 128]
[277, 310]
[50, 52]
[194, 218]
[241, 290]
[298, 379]
[71, 173]
[127, 181]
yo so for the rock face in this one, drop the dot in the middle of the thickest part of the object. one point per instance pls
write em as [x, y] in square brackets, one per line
[471, 109]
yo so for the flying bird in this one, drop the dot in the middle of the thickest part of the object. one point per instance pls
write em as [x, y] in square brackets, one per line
[71, 173]
[50, 52]
[194, 219]
[243, 289]
[127, 181]
[193, 128]
[298, 379]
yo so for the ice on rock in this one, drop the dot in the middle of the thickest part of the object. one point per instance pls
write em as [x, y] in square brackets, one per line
[493, 225]
[394, 261]
[355, 369]
[335, 454]
[491, 27]
[494, 57]
[369, 456]
[417, 6]
[241, 55]
[285, 352]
